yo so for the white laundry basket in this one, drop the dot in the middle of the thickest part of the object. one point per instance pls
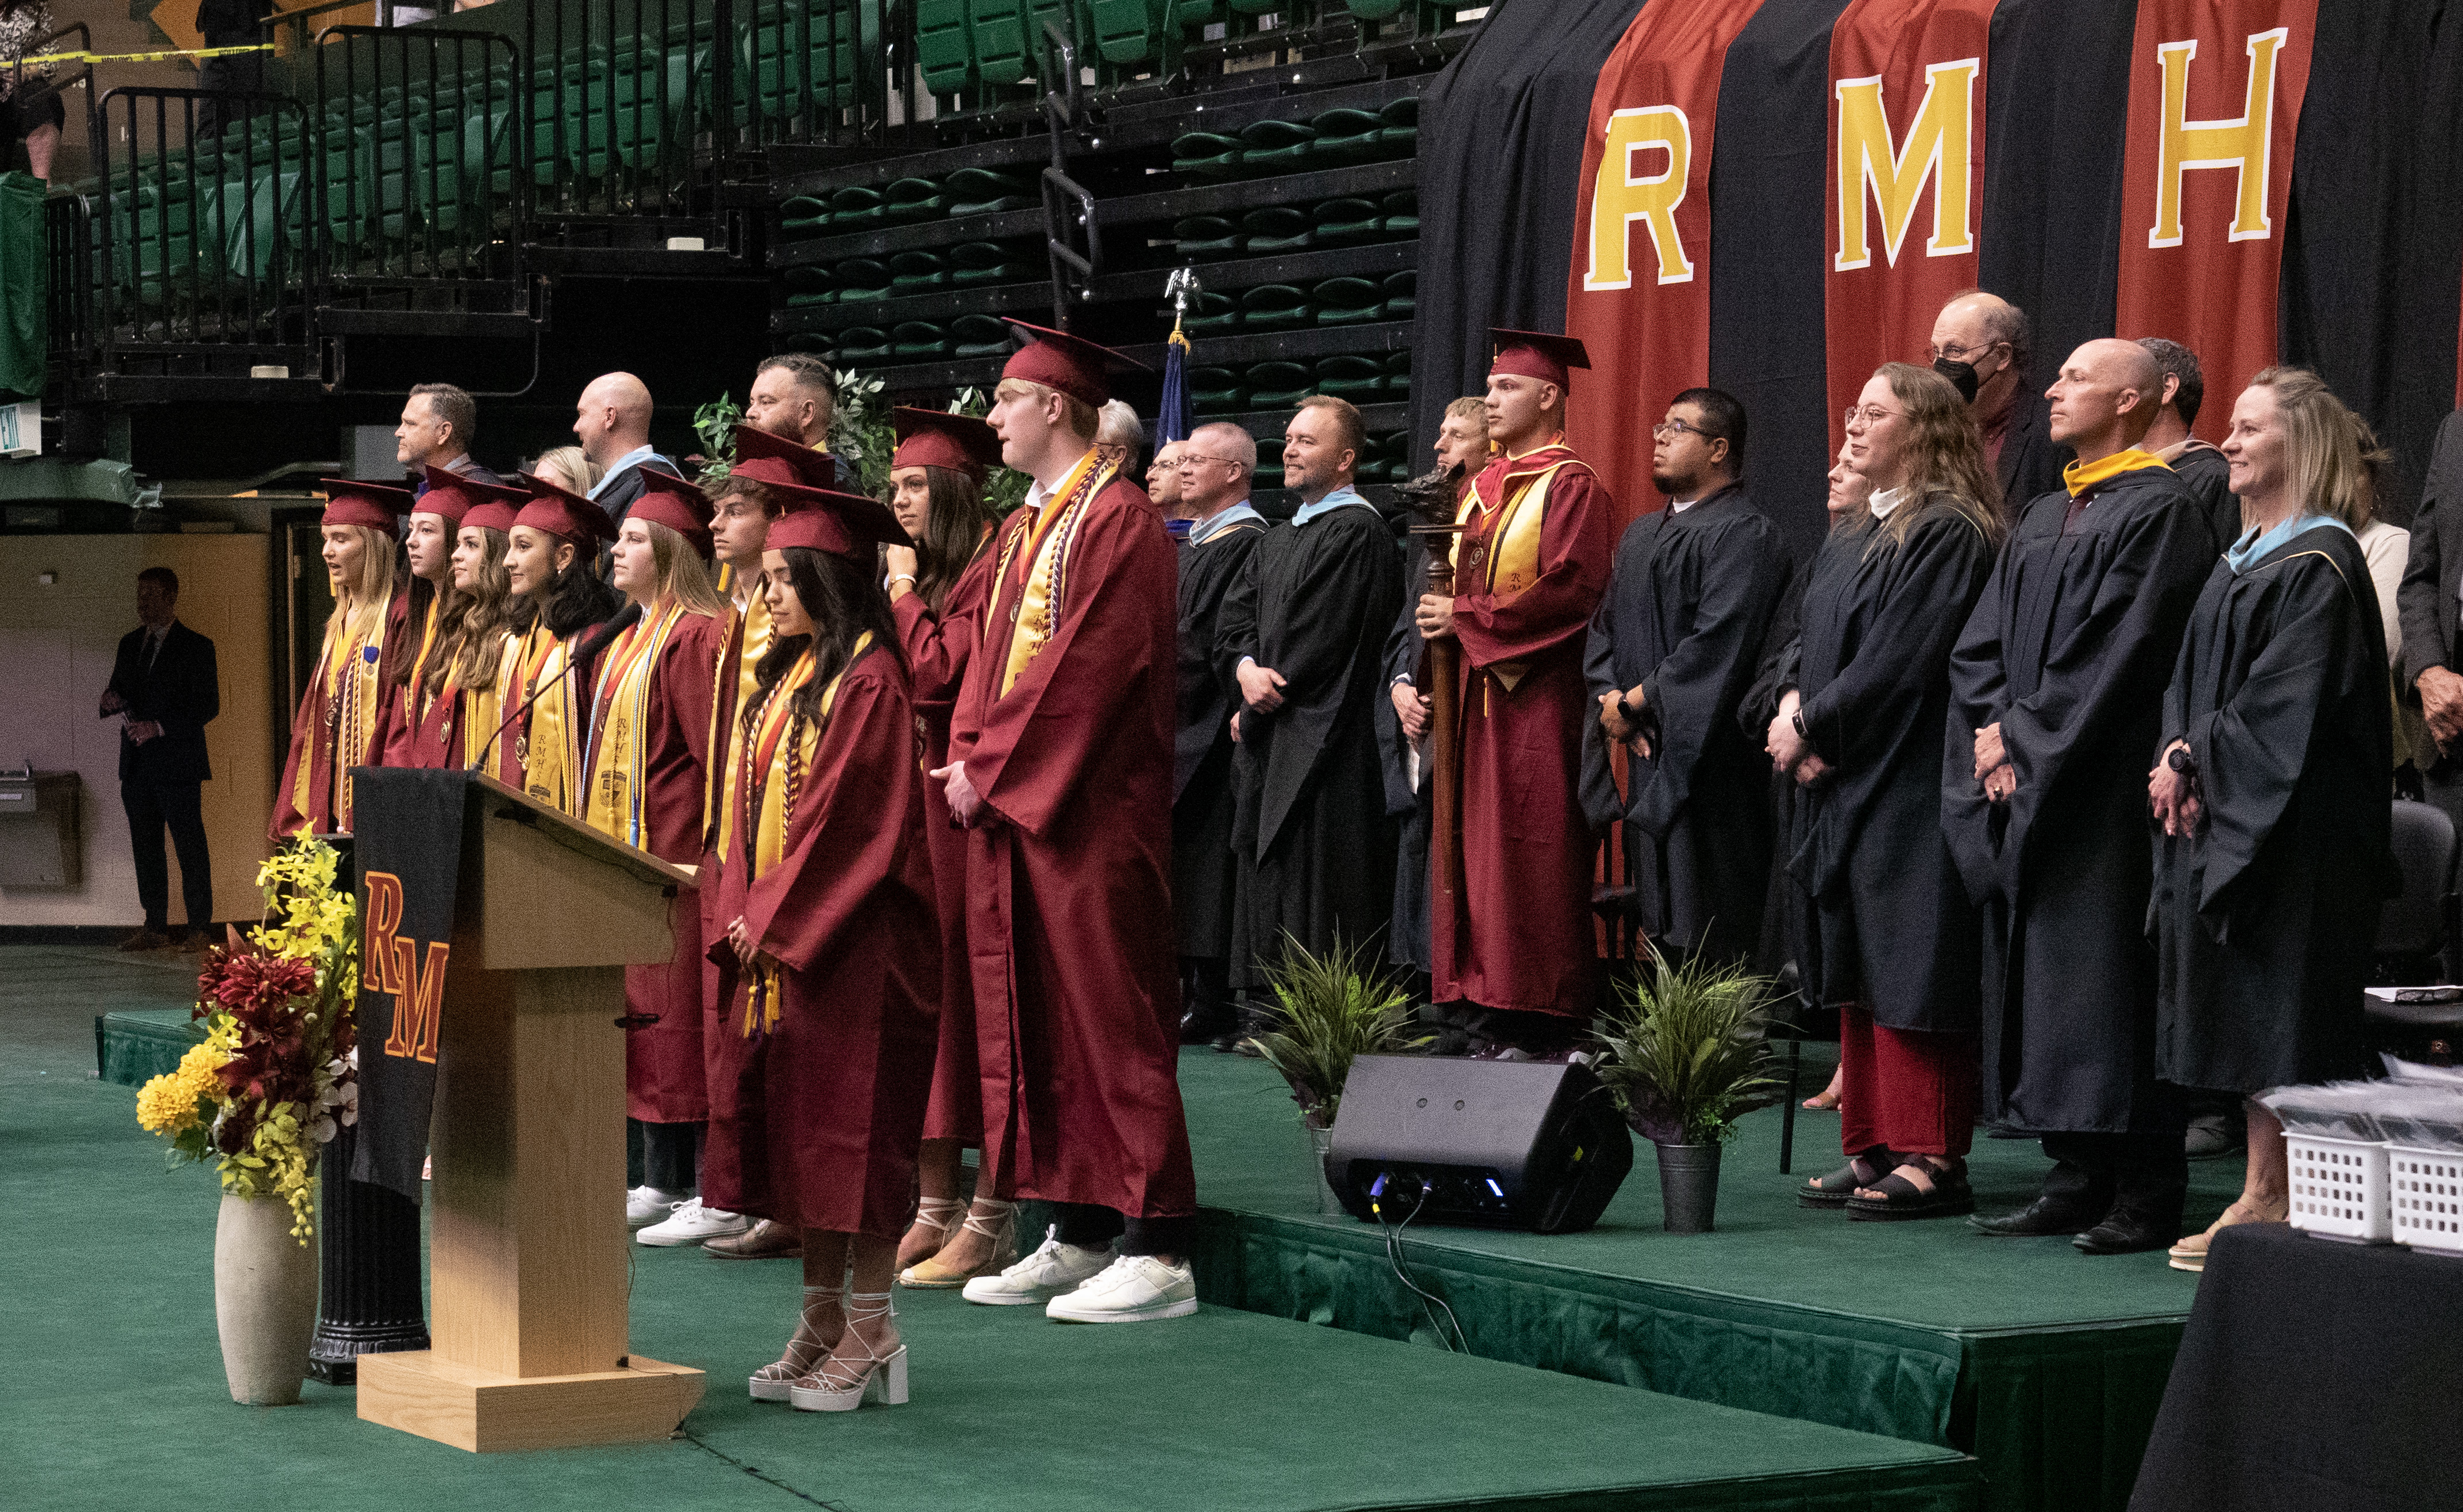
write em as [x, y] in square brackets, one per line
[2425, 1190]
[2339, 1188]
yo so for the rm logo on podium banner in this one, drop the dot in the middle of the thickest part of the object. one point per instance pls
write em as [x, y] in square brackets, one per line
[392, 964]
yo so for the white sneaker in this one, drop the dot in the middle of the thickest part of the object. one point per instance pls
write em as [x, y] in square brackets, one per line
[1053, 1267]
[1134, 1288]
[647, 1204]
[693, 1224]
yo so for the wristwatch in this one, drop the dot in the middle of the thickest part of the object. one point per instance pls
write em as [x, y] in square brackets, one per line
[2179, 759]
[1626, 711]
[1796, 717]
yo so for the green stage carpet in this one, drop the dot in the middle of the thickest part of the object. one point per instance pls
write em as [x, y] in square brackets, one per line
[2045, 1363]
[113, 1394]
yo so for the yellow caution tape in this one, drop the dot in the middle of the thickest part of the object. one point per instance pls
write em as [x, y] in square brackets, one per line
[147, 58]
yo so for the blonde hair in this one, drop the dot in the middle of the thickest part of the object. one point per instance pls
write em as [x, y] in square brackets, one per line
[1083, 419]
[573, 462]
[1946, 463]
[1470, 406]
[362, 602]
[2334, 453]
[681, 574]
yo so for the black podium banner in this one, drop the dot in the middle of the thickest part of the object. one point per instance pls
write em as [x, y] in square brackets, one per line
[409, 848]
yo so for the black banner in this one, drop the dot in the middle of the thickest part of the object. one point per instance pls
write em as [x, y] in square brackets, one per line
[409, 851]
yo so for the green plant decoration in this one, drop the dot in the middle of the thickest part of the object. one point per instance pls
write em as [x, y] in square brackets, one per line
[1332, 1013]
[1685, 1049]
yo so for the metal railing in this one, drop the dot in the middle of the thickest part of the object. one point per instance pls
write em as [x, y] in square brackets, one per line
[198, 242]
[422, 167]
[622, 105]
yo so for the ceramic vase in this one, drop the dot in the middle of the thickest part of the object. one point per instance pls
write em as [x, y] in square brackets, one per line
[265, 1300]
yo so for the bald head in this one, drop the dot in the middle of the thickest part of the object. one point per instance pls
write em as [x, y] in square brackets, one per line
[613, 417]
[1988, 334]
[2105, 397]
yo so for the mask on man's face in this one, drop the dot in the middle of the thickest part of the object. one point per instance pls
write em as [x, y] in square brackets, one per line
[1961, 374]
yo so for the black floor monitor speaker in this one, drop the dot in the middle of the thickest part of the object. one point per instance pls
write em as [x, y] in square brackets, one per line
[1503, 1144]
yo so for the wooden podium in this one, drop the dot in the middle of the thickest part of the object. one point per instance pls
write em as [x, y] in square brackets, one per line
[527, 1254]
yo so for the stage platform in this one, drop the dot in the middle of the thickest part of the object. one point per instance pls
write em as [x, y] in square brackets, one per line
[114, 1396]
[2044, 1364]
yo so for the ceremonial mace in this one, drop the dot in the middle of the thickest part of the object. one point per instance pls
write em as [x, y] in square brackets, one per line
[1431, 497]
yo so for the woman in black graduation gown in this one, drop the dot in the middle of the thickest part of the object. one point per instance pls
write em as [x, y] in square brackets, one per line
[2270, 785]
[1860, 730]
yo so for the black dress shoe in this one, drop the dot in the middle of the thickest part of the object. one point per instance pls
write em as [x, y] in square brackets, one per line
[2129, 1232]
[2044, 1216]
[1199, 1027]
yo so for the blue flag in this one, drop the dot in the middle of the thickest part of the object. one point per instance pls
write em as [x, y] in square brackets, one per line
[1171, 423]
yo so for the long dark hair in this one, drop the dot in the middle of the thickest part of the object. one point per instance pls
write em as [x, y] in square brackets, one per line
[399, 655]
[843, 598]
[576, 599]
[953, 533]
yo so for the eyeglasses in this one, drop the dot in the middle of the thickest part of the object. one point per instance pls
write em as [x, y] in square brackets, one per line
[1872, 415]
[1670, 429]
[1191, 458]
[1962, 354]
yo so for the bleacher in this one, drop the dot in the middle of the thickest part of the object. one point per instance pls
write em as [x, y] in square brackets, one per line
[899, 172]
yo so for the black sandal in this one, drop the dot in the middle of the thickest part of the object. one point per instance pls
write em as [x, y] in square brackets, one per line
[1834, 1190]
[1935, 1190]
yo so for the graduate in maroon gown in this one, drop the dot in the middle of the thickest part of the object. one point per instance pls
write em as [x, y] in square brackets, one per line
[1060, 766]
[818, 1104]
[341, 722]
[550, 564]
[425, 706]
[649, 745]
[742, 505]
[1530, 566]
[937, 586]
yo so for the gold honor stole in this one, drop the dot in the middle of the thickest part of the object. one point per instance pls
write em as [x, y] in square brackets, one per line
[726, 745]
[411, 708]
[1507, 561]
[1036, 610]
[352, 695]
[550, 744]
[612, 803]
[475, 714]
[779, 744]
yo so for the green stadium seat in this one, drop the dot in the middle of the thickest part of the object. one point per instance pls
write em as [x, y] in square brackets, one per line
[1348, 223]
[1348, 301]
[1348, 374]
[1216, 391]
[917, 272]
[1277, 229]
[986, 191]
[944, 46]
[1274, 307]
[1213, 312]
[863, 344]
[1402, 292]
[1125, 30]
[1374, 9]
[1004, 46]
[1202, 236]
[979, 336]
[917, 341]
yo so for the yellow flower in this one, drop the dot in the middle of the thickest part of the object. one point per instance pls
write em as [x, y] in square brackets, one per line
[167, 1105]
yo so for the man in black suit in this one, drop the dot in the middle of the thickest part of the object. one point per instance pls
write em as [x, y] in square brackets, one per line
[163, 681]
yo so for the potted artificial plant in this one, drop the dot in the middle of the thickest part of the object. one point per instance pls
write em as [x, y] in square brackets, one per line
[1331, 1012]
[1684, 1048]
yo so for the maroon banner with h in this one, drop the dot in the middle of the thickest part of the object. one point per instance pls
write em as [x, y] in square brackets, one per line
[2215, 89]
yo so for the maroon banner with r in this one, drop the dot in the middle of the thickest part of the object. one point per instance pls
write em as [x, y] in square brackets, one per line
[2216, 87]
[1639, 295]
[1906, 186]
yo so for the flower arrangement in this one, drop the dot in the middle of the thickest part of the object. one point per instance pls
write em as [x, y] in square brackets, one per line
[276, 1077]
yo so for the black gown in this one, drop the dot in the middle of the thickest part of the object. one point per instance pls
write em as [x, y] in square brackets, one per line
[1685, 617]
[1872, 669]
[1314, 602]
[2069, 650]
[2204, 471]
[2263, 918]
[1204, 876]
[1412, 808]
